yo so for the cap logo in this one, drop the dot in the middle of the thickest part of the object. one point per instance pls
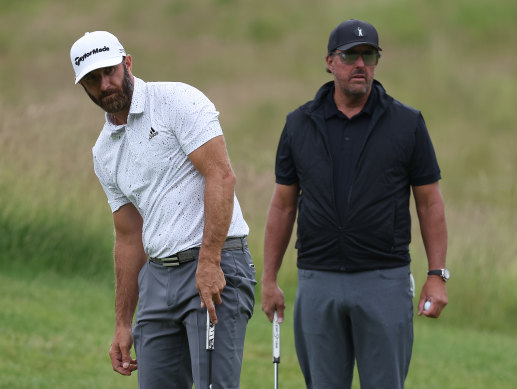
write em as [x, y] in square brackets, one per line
[359, 32]
[78, 60]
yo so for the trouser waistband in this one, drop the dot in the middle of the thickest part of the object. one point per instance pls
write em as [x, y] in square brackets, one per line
[191, 254]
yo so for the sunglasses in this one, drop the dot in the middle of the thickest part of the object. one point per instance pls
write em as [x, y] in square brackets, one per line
[350, 57]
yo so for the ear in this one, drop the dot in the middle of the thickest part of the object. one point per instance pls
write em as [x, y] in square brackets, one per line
[129, 63]
[330, 63]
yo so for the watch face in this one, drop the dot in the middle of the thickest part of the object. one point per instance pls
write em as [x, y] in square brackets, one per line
[446, 274]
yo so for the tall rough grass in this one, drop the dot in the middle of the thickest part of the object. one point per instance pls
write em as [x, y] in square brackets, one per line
[55, 231]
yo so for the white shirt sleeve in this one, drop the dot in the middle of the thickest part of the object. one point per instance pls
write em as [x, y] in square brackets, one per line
[116, 198]
[196, 120]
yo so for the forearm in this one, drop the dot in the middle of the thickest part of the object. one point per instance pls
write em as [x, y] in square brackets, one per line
[434, 234]
[431, 215]
[279, 228]
[218, 204]
[129, 259]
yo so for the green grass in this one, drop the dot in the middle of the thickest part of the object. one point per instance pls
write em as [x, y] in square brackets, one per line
[56, 333]
[256, 61]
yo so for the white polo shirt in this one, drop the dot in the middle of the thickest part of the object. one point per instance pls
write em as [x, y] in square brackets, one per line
[146, 162]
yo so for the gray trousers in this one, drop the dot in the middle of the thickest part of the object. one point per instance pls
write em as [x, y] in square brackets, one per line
[341, 318]
[170, 327]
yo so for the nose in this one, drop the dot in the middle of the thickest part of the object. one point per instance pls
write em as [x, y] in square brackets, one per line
[360, 62]
[104, 81]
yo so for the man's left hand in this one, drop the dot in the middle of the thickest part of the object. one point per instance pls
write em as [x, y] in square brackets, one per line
[435, 291]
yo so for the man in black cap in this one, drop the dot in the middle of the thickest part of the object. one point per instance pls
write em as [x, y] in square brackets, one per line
[347, 162]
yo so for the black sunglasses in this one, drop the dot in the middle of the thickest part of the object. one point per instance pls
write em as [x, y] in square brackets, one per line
[350, 57]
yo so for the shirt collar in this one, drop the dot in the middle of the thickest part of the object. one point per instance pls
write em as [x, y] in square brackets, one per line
[138, 100]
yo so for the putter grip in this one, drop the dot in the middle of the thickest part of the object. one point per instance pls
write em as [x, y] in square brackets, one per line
[276, 339]
[210, 333]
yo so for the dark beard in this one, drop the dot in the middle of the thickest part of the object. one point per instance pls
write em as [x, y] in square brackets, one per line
[118, 100]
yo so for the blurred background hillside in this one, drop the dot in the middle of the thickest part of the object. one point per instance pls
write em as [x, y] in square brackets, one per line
[257, 61]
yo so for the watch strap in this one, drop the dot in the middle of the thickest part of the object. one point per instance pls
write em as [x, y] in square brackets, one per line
[444, 273]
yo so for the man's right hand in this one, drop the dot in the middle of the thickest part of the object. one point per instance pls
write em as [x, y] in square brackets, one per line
[273, 300]
[120, 351]
[279, 228]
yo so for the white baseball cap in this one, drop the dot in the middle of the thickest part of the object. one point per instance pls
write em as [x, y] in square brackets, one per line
[94, 50]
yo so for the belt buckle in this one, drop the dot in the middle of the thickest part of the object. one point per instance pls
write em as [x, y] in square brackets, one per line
[171, 262]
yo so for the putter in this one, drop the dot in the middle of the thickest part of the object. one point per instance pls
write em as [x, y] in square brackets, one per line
[210, 338]
[276, 347]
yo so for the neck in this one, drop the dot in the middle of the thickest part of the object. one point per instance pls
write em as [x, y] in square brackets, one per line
[350, 105]
[119, 118]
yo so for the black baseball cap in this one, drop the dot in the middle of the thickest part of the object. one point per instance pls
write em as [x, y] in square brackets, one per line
[352, 33]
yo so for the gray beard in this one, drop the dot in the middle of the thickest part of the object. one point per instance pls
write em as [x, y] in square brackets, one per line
[357, 93]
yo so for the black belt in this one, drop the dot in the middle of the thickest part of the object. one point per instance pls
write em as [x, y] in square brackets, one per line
[191, 254]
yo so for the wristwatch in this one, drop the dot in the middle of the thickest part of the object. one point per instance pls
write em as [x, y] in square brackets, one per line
[444, 273]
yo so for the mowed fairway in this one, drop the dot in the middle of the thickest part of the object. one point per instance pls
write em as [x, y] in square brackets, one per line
[256, 61]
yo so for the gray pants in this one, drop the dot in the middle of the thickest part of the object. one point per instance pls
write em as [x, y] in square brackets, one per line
[340, 318]
[170, 327]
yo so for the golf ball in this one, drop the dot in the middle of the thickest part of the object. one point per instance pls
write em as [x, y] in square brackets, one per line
[427, 305]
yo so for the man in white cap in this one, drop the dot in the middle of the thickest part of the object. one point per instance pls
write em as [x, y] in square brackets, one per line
[180, 237]
[347, 162]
